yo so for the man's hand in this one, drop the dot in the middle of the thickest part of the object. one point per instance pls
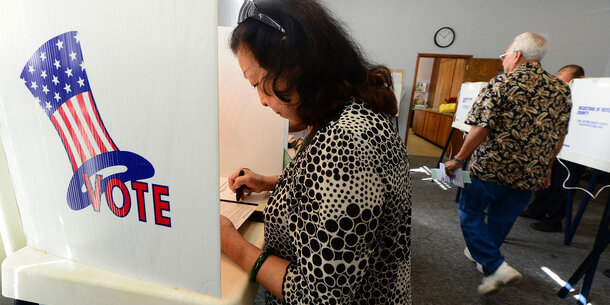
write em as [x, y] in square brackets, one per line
[475, 137]
[450, 166]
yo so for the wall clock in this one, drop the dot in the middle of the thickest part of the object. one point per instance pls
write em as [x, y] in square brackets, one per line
[444, 37]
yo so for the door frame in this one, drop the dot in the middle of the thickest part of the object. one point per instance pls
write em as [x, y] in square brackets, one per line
[419, 55]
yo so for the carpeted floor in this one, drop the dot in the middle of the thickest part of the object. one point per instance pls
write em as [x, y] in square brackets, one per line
[442, 275]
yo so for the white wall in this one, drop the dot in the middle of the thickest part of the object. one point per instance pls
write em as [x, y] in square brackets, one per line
[392, 32]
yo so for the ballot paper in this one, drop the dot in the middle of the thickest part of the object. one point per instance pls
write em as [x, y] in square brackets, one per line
[461, 176]
[238, 211]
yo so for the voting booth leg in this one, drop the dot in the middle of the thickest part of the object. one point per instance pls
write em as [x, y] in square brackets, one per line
[588, 266]
[572, 226]
[567, 237]
[445, 147]
[440, 160]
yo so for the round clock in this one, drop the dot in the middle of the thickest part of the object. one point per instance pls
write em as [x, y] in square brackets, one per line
[444, 37]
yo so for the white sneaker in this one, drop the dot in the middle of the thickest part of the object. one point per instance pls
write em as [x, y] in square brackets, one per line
[503, 276]
[469, 257]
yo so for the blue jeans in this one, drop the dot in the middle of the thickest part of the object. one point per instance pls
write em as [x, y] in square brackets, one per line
[503, 206]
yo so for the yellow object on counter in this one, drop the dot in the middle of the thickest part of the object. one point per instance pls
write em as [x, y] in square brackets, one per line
[447, 108]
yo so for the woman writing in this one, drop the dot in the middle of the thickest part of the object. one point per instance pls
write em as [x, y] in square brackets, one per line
[337, 226]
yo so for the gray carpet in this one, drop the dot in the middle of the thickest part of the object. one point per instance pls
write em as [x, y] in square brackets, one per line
[442, 275]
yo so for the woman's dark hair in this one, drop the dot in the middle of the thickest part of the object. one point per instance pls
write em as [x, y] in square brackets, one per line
[316, 58]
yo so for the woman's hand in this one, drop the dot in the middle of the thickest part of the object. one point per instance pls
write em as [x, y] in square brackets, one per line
[253, 182]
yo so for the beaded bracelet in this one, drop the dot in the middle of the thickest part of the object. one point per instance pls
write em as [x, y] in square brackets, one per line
[259, 262]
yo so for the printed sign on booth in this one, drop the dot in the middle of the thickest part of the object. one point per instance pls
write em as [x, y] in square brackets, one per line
[111, 134]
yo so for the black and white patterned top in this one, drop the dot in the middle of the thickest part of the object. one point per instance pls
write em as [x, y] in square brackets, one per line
[341, 214]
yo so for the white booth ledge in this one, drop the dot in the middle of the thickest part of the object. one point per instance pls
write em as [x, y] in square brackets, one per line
[32, 275]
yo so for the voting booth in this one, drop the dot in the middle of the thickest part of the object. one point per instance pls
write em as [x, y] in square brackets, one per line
[468, 94]
[109, 120]
[587, 141]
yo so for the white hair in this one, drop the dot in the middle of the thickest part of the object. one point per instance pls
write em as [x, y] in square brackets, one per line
[533, 46]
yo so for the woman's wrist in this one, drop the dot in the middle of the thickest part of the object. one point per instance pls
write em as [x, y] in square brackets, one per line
[239, 250]
[271, 182]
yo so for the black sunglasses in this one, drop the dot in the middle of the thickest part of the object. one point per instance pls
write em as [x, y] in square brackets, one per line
[248, 9]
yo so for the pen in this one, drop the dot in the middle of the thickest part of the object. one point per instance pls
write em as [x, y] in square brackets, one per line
[240, 190]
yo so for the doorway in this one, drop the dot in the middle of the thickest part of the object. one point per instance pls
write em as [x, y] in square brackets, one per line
[438, 79]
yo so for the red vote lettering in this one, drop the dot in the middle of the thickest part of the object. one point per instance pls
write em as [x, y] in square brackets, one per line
[140, 188]
[121, 212]
[95, 199]
[161, 205]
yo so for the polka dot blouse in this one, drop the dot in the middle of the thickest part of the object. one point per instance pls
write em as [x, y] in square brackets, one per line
[341, 214]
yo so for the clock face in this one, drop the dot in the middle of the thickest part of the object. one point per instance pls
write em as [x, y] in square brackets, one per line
[444, 37]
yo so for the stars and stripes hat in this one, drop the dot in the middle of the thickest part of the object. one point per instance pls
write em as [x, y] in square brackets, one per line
[57, 78]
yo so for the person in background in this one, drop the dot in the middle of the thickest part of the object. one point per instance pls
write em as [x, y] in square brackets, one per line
[518, 123]
[338, 223]
[569, 72]
[549, 205]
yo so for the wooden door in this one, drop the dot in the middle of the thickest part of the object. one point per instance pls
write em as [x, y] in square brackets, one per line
[458, 77]
[432, 84]
[442, 81]
[447, 78]
[483, 69]
[419, 117]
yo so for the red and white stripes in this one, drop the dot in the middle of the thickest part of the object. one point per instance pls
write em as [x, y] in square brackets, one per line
[81, 130]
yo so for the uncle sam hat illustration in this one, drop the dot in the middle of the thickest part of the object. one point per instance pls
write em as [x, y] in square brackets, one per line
[57, 78]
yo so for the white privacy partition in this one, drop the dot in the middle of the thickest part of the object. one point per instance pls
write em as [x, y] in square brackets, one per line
[588, 138]
[109, 119]
[251, 135]
[468, 94]
[11, 231]
[12, 237]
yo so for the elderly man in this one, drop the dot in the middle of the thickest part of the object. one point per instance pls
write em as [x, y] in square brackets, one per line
[518, 124]
[549, 205]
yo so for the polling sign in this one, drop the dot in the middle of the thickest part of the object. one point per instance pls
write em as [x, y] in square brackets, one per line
[109, 119]
[587, 141]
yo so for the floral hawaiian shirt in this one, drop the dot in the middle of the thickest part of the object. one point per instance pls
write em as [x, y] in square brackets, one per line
[527, 112]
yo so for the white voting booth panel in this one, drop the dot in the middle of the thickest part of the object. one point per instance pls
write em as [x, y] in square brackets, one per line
[468, 94]
[109, 119]
[11, 231]
[251, 135]
[588, 138]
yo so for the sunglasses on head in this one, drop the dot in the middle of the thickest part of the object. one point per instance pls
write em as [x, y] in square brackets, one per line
[249, 10]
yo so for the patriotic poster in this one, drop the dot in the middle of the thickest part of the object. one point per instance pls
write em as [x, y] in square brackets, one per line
[109, 119]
